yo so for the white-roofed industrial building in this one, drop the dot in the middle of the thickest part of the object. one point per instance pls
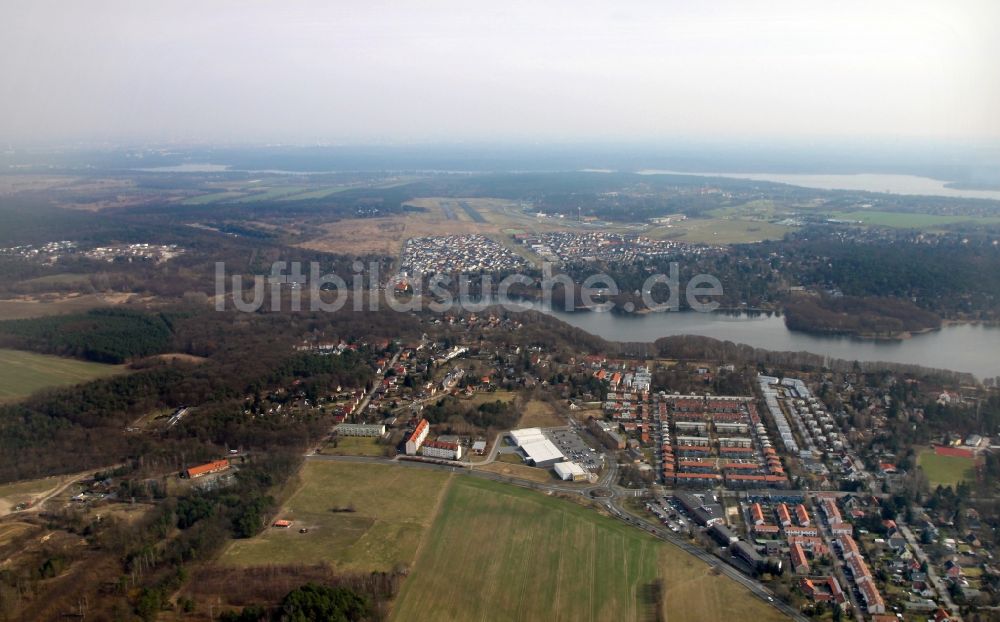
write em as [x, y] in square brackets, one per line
[570, 471]
[538, 450]
[526, 435]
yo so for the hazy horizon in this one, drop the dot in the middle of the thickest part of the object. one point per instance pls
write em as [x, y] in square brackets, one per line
[306, 72]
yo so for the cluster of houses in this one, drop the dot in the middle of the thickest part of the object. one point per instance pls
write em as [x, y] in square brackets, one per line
[620, 248]
[860, 574]
[716, 439]
[52, 252]
[634, 381]
[458, 254]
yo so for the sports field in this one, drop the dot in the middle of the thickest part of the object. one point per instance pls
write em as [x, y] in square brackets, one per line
[23, 373]
[946, 470]
[392, 508]
[498, 552]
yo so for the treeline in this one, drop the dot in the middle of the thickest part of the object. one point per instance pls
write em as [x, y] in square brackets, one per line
[269, 585]
[857, 316]
[696, 348]
[109, 335]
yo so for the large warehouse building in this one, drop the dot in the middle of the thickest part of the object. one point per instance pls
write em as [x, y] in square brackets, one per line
[538, 450]
[570, 471]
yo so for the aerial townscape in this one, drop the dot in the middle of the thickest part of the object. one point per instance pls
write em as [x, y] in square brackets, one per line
[514, 312]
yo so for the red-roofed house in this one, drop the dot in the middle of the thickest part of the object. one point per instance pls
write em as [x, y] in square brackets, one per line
[205, 469]
[800, 564]
[417, 438]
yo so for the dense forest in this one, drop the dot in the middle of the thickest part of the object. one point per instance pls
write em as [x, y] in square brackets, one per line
[72, 429]
[866, 317]
[102, 335]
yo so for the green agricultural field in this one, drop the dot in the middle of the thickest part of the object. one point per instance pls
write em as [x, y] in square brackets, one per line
[946, 470]
[393, 507]
[497, 552]
[23, 373]
[213, 197]
[909, 221]
[277, 192]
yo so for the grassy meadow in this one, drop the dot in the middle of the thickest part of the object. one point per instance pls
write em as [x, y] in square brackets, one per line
[392, 508]
[946, 470]
[23, 373]
[498, 552]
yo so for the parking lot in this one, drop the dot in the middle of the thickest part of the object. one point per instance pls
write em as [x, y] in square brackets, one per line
[574, 448]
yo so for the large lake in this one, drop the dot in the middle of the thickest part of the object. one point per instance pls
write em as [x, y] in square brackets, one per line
[868, 182]
[963, 347]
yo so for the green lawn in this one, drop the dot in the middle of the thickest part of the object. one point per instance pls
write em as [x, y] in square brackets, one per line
[945, 470]
[355, 446]
[393, 508]
[23, 373]
[497, 552]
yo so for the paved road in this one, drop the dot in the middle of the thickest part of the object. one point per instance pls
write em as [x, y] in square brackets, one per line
[838, 566]
[755, 587]
[360, 410]
[939, 585]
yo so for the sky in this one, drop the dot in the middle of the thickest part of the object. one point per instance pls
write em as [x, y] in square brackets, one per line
[331, 71]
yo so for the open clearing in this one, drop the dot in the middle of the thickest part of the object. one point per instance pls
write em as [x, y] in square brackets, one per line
[23, 308]
[946, 470]
[385, 236]
[498, 552]
[720, 231]
[356, 446]
[393, 507]
[497, 218]
[539, 414]
[441, 216]
[511, 466]
[488, 397]
[36, 490]
[11, 531]
[23, 373]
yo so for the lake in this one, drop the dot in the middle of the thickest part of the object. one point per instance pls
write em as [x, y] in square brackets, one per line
[868, 182]
[962, 347]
